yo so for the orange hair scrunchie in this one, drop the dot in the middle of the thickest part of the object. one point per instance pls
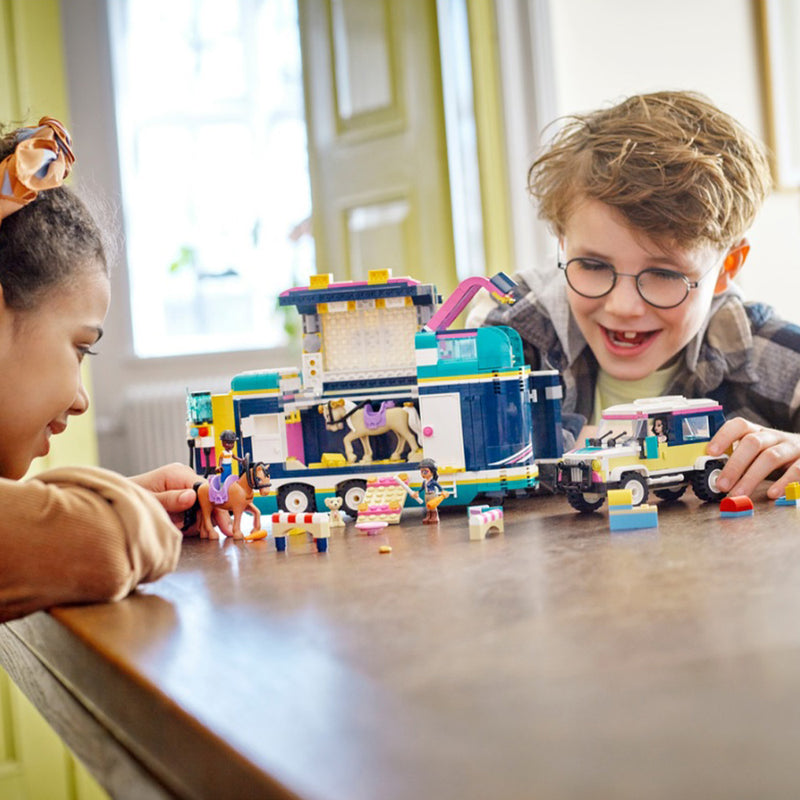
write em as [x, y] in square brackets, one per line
[42, 160]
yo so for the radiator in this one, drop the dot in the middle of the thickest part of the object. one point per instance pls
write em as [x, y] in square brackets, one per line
[154, 418]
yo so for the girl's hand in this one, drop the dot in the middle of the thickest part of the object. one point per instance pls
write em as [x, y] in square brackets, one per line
[757, 453]
[172, 485]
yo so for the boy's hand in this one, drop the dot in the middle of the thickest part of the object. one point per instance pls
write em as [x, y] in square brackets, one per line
[758, 452]
[172, 485]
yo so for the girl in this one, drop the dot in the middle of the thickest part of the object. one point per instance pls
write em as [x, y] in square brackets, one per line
[78, 534]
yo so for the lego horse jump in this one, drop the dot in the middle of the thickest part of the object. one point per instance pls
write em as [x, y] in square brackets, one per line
[482, 519]
[317, 524]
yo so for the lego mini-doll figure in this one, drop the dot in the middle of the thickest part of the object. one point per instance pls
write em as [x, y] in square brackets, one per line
[70, 534]
[650, 201]
[227, 455]
[658, 429]
[431, 490]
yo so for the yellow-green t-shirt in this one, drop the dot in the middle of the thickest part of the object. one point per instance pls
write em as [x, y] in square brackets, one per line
[611, 391]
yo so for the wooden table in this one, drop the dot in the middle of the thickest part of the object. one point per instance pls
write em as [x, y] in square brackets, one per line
[557, 660]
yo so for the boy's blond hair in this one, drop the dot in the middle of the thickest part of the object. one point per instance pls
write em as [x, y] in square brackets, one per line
[675, 166]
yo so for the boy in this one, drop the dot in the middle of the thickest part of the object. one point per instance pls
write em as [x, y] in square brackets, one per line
[650, 201]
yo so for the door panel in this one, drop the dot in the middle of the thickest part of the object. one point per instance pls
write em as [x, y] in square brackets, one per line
[377, 148]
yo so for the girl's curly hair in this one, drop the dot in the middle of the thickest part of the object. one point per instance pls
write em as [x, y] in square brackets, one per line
[45, 244]
[675, 166]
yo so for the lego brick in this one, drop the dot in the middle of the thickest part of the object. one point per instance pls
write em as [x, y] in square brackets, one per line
[739, 506]
[320, 281]
[643, 516]
[375, 276]
[620, 497]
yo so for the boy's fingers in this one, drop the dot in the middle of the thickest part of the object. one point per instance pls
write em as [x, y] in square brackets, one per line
[733, 430]
[779, 487]
[746, 452]
[762, 453]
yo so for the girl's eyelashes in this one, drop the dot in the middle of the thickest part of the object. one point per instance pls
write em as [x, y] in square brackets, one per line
[85, 350]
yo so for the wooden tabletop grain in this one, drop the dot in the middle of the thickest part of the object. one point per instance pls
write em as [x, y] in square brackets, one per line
[556, 660]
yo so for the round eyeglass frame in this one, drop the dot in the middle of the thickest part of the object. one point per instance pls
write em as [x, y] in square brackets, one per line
[563, 265]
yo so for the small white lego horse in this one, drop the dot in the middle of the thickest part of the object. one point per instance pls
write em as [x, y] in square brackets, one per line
[403, 421]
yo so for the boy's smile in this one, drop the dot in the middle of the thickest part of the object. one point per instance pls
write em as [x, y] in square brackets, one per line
[630, 338]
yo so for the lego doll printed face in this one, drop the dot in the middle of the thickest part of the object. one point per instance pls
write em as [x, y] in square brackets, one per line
[41, 351]
[630, 338]
[426, 474]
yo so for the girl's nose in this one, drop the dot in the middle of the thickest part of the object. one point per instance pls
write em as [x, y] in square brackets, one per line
[81, 402]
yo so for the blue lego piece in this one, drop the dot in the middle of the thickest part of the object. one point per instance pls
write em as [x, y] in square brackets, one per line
[746, 513]
[503, 282]
[634, 519]
[307, 299]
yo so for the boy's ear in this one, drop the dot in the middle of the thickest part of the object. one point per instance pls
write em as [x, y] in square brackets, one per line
[733, 262]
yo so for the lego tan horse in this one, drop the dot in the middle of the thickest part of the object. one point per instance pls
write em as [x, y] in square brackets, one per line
[403, 421]
[240, 499]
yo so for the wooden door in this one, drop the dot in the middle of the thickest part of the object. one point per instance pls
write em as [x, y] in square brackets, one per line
[377, 148]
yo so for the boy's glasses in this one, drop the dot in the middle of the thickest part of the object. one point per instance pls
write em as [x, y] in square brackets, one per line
[662, 288]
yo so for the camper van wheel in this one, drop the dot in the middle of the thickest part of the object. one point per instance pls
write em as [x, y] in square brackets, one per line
[352, 494]
[637, 485]
[669, 495]
[584, 502]
[296, 498]
[704, 483]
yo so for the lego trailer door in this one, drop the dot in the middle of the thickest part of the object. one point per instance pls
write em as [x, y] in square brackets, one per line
[442, 437]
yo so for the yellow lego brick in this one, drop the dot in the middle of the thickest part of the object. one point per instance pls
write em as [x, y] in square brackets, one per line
[620, 497]
[793, 491]
[320, 281]
[378, 276]
[334, 460]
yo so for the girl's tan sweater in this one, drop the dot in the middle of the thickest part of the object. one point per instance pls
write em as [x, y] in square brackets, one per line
[79, 535]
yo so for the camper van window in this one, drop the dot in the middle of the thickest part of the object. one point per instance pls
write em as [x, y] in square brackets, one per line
[695, 428]
[458, 349]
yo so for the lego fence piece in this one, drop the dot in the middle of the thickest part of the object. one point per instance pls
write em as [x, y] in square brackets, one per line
[316, 524]
[482, 519]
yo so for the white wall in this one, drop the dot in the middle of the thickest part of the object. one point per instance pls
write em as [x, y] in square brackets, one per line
[604, 51]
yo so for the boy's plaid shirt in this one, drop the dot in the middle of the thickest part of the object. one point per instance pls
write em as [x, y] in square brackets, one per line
[743, 357]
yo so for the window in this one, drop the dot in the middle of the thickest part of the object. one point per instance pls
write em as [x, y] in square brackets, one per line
[695, 428]
[214, 169]
[452, 349]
